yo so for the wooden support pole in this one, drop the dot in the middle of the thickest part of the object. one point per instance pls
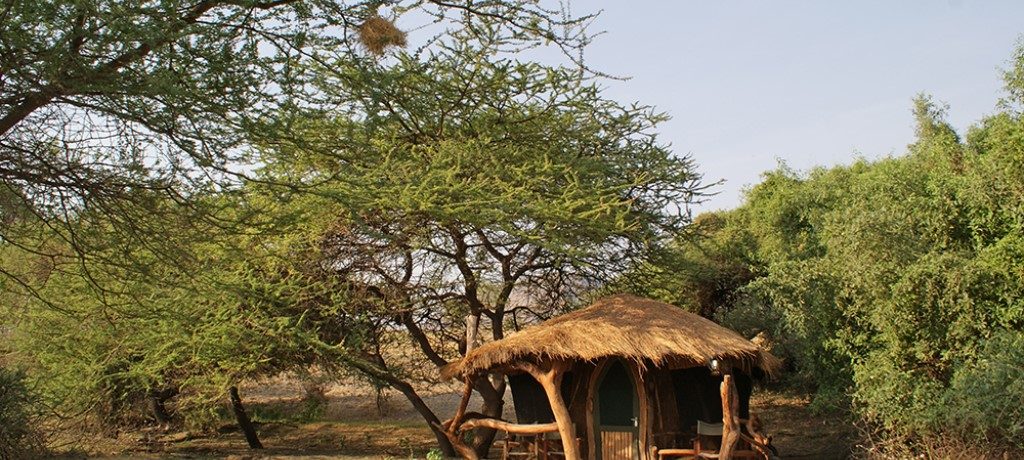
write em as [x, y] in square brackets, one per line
[461, 411]
[460, 447]
[730, 418]
[452, 431]
[531, 428]
[551, 380]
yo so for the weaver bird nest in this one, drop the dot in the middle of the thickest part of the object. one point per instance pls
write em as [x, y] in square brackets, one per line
[377, 34]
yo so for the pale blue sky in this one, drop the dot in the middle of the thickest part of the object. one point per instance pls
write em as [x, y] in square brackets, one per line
[811, 83]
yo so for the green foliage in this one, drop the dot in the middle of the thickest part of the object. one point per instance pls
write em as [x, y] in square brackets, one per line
[168, 95]
[19, 435]
[133, 257]
[434, 454]
[894, 287]
[462, 182]
[100, 335]
[980, 396]
[702, 273]
[423, 188]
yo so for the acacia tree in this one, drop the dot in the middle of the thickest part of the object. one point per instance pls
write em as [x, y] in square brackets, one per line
[104, 104]
[458, 182]
[448, 183]
[99, 338]
[118, 120]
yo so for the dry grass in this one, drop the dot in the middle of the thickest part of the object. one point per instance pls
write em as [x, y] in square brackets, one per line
[877, 444]
[377, 34]
[625, 326]
[356, 431]
[318, 440]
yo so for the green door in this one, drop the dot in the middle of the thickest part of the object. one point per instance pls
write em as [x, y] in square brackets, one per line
[617, 419]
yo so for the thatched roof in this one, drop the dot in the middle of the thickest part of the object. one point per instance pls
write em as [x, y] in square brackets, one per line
[625, 326]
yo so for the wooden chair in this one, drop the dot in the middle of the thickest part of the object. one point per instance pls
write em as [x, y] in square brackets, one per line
[540, 446]
[673, 439]
[704, 448]
[520, 446]
[551, 444]
[703, 430]
[707, 430]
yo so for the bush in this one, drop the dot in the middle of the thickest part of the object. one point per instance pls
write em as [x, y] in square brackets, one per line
[980, 397]
[18, 435]
[894, 288]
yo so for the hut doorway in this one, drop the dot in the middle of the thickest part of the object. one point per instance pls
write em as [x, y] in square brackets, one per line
[617, 415]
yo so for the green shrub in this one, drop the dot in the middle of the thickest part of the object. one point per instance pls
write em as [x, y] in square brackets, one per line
[986, 399]
[19, 437]
[434, 454]
[894, 288]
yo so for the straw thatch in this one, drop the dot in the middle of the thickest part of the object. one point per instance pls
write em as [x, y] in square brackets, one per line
[625, 326]
[378, 34]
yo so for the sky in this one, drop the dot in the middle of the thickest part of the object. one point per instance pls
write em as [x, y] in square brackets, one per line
[753, 83]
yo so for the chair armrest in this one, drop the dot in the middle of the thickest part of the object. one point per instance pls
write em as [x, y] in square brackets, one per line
[663, 453]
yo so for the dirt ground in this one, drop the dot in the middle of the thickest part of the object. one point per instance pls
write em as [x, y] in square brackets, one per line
[798, 432]
[352, 422]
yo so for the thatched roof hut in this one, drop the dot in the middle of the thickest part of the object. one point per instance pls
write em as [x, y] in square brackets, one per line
[622, 378]
[625, 326]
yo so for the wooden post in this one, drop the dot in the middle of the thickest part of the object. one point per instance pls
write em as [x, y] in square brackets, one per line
[730, 418]
[528, 428]
[452, 430]
[460, 447]
[461, 411]
[551, 380]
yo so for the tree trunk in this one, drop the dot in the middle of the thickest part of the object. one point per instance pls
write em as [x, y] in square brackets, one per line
[157, 400]
[493, 406]
[409, 392]
[432, 421]
[493, 396]
[244, 423]
[472, 331]
[159, 411]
